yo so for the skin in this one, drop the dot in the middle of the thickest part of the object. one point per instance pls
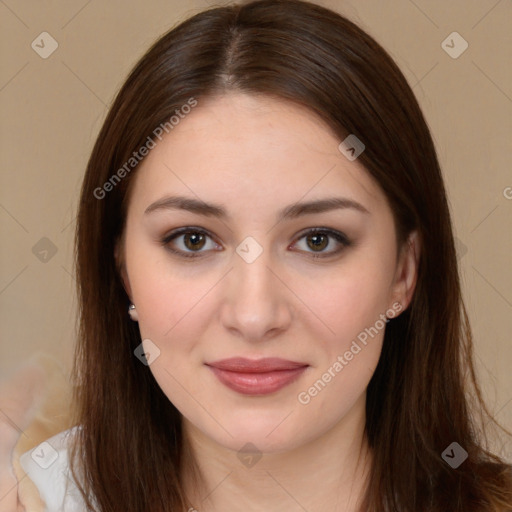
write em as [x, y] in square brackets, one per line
[256, 155]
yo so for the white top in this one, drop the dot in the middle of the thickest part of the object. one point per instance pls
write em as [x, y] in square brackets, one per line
[47, 465]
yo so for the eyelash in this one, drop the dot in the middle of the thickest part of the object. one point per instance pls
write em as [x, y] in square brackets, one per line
[338, 236]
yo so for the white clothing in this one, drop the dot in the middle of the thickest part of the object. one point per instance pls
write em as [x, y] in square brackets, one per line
[47, 465]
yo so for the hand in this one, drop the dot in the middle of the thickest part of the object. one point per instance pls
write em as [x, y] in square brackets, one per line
[20, 394]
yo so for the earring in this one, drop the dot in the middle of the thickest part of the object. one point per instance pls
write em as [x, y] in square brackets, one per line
[133, 313]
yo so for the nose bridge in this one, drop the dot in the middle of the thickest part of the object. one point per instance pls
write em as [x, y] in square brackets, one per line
[253, 278]
[252, 272]
[255, 302]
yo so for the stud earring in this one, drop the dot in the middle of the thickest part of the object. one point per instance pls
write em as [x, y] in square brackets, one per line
[133, 313]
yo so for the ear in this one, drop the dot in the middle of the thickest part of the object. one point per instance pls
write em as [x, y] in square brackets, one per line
[407, 270]
[120, 265]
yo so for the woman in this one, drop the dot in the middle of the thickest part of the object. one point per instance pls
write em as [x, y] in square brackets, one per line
[271, 314]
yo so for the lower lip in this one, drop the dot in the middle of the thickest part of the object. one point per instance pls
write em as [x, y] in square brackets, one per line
[257, 383]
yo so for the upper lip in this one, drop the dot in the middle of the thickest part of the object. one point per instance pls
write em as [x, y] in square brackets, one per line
[244, 365]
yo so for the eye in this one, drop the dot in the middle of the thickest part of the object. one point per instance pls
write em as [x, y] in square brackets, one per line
[193, 240]
[317, 239]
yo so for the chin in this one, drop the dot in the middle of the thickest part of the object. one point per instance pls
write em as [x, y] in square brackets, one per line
[266, 436]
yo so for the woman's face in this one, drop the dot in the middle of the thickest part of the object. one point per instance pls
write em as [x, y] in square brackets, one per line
[260, 284]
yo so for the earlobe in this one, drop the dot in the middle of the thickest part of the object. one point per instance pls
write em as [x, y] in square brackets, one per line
[132, 311]
[407, 271]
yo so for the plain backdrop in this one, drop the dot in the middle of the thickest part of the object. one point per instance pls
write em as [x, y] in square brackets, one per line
[52, 109]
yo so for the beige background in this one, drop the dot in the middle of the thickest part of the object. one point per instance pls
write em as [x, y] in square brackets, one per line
[52, 110]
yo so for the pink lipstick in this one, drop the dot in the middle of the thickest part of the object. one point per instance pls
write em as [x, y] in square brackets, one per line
[256, 377]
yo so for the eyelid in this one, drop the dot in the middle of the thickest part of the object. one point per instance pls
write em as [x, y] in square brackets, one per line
[339, 236]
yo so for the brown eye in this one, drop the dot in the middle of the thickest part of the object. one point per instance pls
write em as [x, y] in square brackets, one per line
[188, 242]
[318, 239]
[194, 240]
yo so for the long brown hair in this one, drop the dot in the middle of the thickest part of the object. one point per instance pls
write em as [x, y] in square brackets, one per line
[423, 395]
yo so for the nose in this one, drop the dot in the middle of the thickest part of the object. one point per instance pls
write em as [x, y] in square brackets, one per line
[257, 304]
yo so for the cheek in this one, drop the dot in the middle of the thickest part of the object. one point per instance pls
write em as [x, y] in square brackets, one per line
[163, 295]
[352, 308]
[170, 306]
[352, 299]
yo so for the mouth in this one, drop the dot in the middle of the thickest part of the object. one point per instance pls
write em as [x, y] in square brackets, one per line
[256, 377]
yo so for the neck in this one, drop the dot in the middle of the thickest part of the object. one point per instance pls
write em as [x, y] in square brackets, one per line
[327, 474]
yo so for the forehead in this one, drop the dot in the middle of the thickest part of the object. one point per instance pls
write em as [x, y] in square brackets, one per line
[254, 150]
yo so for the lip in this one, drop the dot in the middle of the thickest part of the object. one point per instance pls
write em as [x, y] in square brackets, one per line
[256, 376]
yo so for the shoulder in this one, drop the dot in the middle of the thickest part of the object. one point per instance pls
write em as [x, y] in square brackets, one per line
[47, 465]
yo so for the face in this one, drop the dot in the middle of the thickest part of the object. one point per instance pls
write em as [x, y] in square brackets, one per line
[244, 271]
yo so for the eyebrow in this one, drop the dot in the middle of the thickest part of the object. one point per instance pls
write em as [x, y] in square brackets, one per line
[289, 212]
